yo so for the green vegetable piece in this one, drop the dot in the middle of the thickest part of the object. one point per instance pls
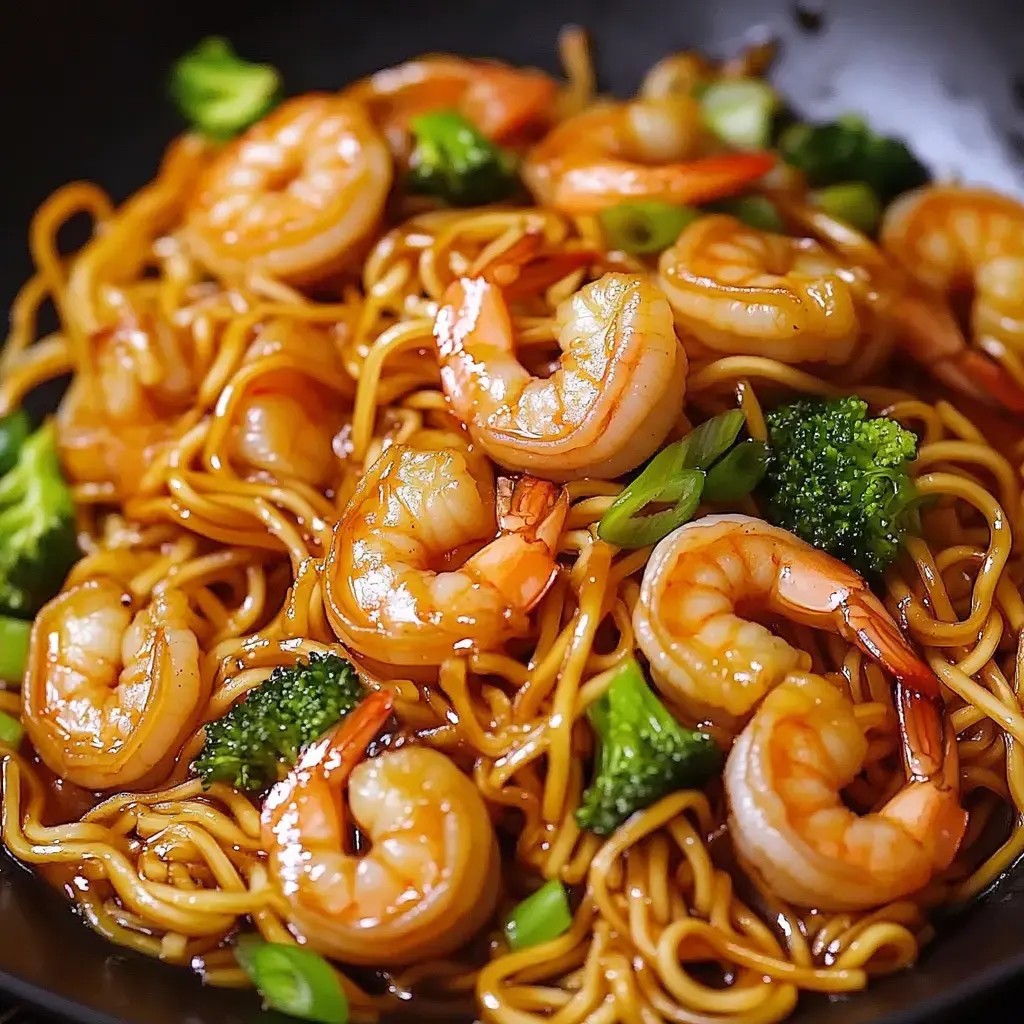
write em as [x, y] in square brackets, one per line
[740, 111]
[852, 201]
[219, 93]
[644, 754]
[456, 163]
[839, 479]
[738, 472]
[11, 731]
[14, 636]
[846, 151]
[541, 917]
[37, 526]
[293, 979]
[258, 740]
[755, 211]
[644, 228]
[675, 474]
[14, 432]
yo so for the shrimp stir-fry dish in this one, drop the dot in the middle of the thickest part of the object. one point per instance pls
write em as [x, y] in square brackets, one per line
[513, 554]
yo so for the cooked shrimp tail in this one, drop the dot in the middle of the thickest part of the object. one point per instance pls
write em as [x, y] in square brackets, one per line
[712, 660]
[430, 878]
[784, 779]
[414, 509]
[519, 562]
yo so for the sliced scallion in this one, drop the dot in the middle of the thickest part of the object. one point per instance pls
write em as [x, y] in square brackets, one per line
[740, 111]
[11, 730]
[294, 980]
[854, 202]
[674, 476]
[14, 636]
[645, 227]
[541, 917]
[738, 472]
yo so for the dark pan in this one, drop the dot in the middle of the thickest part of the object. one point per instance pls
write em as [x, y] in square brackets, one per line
[82, 94]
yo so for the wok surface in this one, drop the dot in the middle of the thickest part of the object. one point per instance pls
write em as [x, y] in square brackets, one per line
[82, 96]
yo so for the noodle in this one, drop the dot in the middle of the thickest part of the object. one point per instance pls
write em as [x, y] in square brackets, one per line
[171, 501]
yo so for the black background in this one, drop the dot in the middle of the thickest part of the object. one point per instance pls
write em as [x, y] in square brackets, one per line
[82, 95]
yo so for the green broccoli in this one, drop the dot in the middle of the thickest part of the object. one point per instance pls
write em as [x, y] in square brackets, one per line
[644, 754]
[219, 93]
[37, 520]
[454, 162]
[847, 150]
[258, 740]
[838, 479]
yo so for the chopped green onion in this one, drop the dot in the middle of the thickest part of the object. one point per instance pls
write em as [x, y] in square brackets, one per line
[755, 211]
[626, 524]
[14, 431]
[294, 980]
[541, 917]
[675, 474]
[738, 472]
[739, 111]
[712, 439]
[218, 92]
[645, 227]
[11, 730]
[853, 202]
[14, 634]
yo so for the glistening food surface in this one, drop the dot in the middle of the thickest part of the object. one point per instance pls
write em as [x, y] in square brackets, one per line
[515, 554]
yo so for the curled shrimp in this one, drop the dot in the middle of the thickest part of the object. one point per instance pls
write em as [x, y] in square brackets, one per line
[790, 826]
[704, 580]
[287, 419]
[922, 317]
[642, 150]
[610, 403]
[739, 290]
[430, 880]
[295, 195]
[111, 425]
[952, 239]
[416, 511]
[500, 101]
[108, 696]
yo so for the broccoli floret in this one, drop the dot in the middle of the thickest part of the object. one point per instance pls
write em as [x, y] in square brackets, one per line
[37, 525]
[219, 93]
[258, 740]
[645, 753]
[838, 479]
[454, 162]
[847, 150]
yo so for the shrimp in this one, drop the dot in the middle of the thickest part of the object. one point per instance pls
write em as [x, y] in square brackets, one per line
[111, 425]
[788, 822]
[287, 419]
[295, 195]
[108, 696]
[610, 403]
[950, 239]
[500, 101]
[416, 511]
[642, 150]
[738, 290]
[924, 323]
[704, 579]
[430, 880]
